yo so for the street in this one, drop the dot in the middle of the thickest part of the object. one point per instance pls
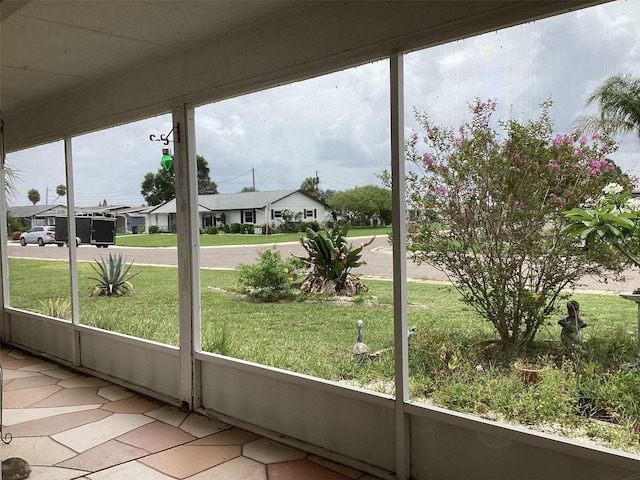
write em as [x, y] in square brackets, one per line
[378, 256]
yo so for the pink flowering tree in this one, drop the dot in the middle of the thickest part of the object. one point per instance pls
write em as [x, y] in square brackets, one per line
[488, 208]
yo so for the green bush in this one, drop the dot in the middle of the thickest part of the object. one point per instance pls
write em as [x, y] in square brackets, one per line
[140, 228]
[235, 228]
[211, 230]
[271, 278]
[154, 229]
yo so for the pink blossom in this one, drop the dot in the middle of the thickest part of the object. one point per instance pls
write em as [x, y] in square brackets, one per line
[553, 165]
[457, 141]
[442, 190]
[427, 159]
[414, 136]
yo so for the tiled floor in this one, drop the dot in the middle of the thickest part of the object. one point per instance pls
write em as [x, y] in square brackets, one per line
[67, 425]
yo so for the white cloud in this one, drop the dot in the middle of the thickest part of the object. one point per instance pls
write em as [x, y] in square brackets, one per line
[338, 125]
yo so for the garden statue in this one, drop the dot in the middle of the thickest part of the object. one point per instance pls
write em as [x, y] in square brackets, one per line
[572, 325]
[360, 349]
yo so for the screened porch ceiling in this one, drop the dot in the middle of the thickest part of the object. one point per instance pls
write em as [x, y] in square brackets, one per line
[69, 67]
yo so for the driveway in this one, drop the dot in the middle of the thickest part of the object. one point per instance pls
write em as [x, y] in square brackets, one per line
[378, 256]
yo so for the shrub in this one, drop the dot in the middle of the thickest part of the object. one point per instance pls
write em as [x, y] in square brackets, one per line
[154, 229]
[489, 211]
[16, 235]
[271, 278]
[211, 230]
[112, 276]
[141, 228]
[235, 228]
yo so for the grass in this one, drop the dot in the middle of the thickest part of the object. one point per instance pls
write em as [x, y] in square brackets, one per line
[225, 239]
[453, 362]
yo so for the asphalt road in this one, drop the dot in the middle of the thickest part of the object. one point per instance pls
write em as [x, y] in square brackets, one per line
[378, 256]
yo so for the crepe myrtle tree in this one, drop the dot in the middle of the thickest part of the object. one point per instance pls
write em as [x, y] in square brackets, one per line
[489, 210]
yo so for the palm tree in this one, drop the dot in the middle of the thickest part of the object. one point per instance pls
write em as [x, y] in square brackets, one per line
[618, 99]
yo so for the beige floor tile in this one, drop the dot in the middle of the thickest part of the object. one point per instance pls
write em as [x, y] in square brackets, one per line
[37, 365]
[59, 423]
[114, 393]
[185, 461]
[40, 451]
[27, 397]
[201, 426]
[241, 468]
[13, 416]
[168, 414]
[54, 473]
[72, 396]
[61, 373]
[29, 364]
[129, 471]
[30, 381]
[11, 374]
[267, 451]
[156, 436]
[132, 405]
[85, 437]
[105, 455]
[82, 381]
[233, 436]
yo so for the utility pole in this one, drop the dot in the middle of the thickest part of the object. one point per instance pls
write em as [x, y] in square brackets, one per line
[253, 176]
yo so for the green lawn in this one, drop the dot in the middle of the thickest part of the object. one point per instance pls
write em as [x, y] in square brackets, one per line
[170, 239]
[453, 362]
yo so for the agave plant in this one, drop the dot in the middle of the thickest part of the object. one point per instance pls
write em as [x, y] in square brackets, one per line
[331, 258]
[112, 276]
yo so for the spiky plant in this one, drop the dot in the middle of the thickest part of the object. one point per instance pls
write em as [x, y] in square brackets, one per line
[112, 276]
[56, 307]
[331, 258]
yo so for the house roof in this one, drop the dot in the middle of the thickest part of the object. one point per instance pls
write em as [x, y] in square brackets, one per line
[29, 211]
[234, 201]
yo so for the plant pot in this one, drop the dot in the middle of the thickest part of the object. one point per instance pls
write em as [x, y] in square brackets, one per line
[529, 371]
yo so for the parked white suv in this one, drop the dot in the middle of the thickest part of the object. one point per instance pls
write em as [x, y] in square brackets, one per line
[41, 235]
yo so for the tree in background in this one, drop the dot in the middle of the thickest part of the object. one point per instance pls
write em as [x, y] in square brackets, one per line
[33, 195]
[248, 189]
[363, 205]
[160, 187]
[618, 100]
[311, 186]
[490, 214]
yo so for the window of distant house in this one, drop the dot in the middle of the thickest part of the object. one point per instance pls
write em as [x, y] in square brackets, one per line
[248, 216]
[310, 214]
[276, 213]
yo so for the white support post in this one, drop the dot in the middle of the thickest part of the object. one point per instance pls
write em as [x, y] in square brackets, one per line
[398, 213]
[4, 260]
[188, 253]
[71, 243]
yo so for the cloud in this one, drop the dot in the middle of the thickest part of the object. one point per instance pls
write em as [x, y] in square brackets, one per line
[338, 124]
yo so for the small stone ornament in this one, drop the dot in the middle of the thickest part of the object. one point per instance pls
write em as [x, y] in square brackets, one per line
[572, 325]
[15, 468]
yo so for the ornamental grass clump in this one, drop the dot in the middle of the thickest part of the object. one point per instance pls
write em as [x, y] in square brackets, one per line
[489, 208]
[112, 276]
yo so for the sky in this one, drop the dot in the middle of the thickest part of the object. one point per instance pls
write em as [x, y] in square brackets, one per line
[337, 125]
